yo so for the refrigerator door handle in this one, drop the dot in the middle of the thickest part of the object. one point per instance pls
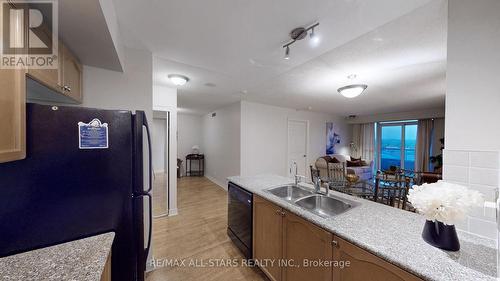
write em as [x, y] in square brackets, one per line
[148, 247]
[150, 161]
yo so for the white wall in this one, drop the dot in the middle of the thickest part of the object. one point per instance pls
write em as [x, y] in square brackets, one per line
[264, 137]
[472, 130]
[128, 90]
[158, 142]
[437, 112]
[189, 133]
[164, 98]
[221, 143]
[438, 133]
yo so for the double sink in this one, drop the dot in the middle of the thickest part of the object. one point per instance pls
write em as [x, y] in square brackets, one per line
[319, 204]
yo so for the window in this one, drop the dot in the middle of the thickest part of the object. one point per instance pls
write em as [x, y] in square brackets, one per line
[396, 142]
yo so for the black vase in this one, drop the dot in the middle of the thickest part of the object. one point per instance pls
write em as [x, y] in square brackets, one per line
[441, 236]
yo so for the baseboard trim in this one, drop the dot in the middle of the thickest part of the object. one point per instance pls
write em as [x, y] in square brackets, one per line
[222, 185]
[172, 212]
[149, 266]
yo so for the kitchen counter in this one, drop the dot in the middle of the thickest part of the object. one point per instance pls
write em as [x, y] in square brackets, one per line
[392, 234]
[79, 260]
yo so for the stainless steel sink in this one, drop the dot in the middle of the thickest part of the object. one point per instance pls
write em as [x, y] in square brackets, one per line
[290, 192]
[325, 206]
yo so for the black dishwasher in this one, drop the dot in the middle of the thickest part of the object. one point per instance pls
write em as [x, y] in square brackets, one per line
[239, 218]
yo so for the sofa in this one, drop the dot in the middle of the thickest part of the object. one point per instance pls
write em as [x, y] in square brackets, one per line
[364, 172]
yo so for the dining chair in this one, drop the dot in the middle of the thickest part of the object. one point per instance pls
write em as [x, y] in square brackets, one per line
[314, 173]
[336, 172]
[392, 191]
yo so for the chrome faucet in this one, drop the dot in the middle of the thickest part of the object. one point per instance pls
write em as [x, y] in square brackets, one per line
[317, 186]
[298, 177]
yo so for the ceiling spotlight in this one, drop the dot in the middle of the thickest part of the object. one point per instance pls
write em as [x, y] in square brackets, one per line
[352, 91]
[287, 53]
[178, 79]
[314, 38]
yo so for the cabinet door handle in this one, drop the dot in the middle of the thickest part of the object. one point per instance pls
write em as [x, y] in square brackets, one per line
[282, 214]
[67, 88]
[335, 244]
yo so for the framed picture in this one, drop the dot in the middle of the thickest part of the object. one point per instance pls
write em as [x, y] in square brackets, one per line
[332, 138]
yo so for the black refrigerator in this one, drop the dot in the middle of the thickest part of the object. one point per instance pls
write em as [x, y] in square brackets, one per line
[87, 172]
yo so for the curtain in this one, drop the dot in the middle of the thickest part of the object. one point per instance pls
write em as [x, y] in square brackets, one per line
[363, 145]
[424, 140]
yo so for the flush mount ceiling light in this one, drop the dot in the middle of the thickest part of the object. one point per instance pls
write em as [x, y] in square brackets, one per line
[178, 79]
[300, 33]
[352, 91]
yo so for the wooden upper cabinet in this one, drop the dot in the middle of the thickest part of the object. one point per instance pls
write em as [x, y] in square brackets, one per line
[364, 265]
[12, 115]
[51, 78]
[305, 243]
[267, 236]
[71, 74]
[66, 79]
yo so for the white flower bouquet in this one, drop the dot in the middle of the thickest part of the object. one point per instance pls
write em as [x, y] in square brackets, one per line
[443, 201]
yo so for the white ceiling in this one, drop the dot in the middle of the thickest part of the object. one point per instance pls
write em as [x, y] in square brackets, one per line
[396, 47]
[83, 28]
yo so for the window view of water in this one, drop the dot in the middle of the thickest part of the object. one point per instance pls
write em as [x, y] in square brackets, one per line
[391, 146]
[410, 144]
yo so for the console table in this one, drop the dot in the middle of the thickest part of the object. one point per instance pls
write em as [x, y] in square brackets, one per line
[200, 158]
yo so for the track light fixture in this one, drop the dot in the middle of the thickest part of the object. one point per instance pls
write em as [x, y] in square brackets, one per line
[287, 53]
[300, 33]
[312, 34]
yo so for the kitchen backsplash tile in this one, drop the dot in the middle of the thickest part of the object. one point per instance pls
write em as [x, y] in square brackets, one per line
[484, 159]
[479, 170]
[456, 157]
[482, 227]
[490, 211]
[483, 176]
[456, 173]
[489, 192]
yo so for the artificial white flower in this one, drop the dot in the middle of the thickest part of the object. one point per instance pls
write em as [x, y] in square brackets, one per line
[443, 201]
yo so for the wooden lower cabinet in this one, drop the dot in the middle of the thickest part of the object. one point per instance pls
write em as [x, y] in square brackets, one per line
[309, 246]
[364, 266]
[267, 236]
[281, 236]
[106, 272]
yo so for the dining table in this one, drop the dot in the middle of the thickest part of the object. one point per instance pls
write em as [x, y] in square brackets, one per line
[362, 188]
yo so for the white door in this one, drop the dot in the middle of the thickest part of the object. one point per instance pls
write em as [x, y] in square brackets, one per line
[297, 147]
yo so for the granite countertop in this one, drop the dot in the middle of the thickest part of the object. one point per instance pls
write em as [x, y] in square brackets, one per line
[392, 234]
[79, 260]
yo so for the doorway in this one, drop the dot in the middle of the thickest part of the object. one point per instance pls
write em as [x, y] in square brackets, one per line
[396, 144]
[161, 153]
[298, 135]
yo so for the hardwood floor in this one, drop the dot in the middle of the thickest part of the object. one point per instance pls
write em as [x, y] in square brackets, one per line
[160, 194]
[197, 235]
